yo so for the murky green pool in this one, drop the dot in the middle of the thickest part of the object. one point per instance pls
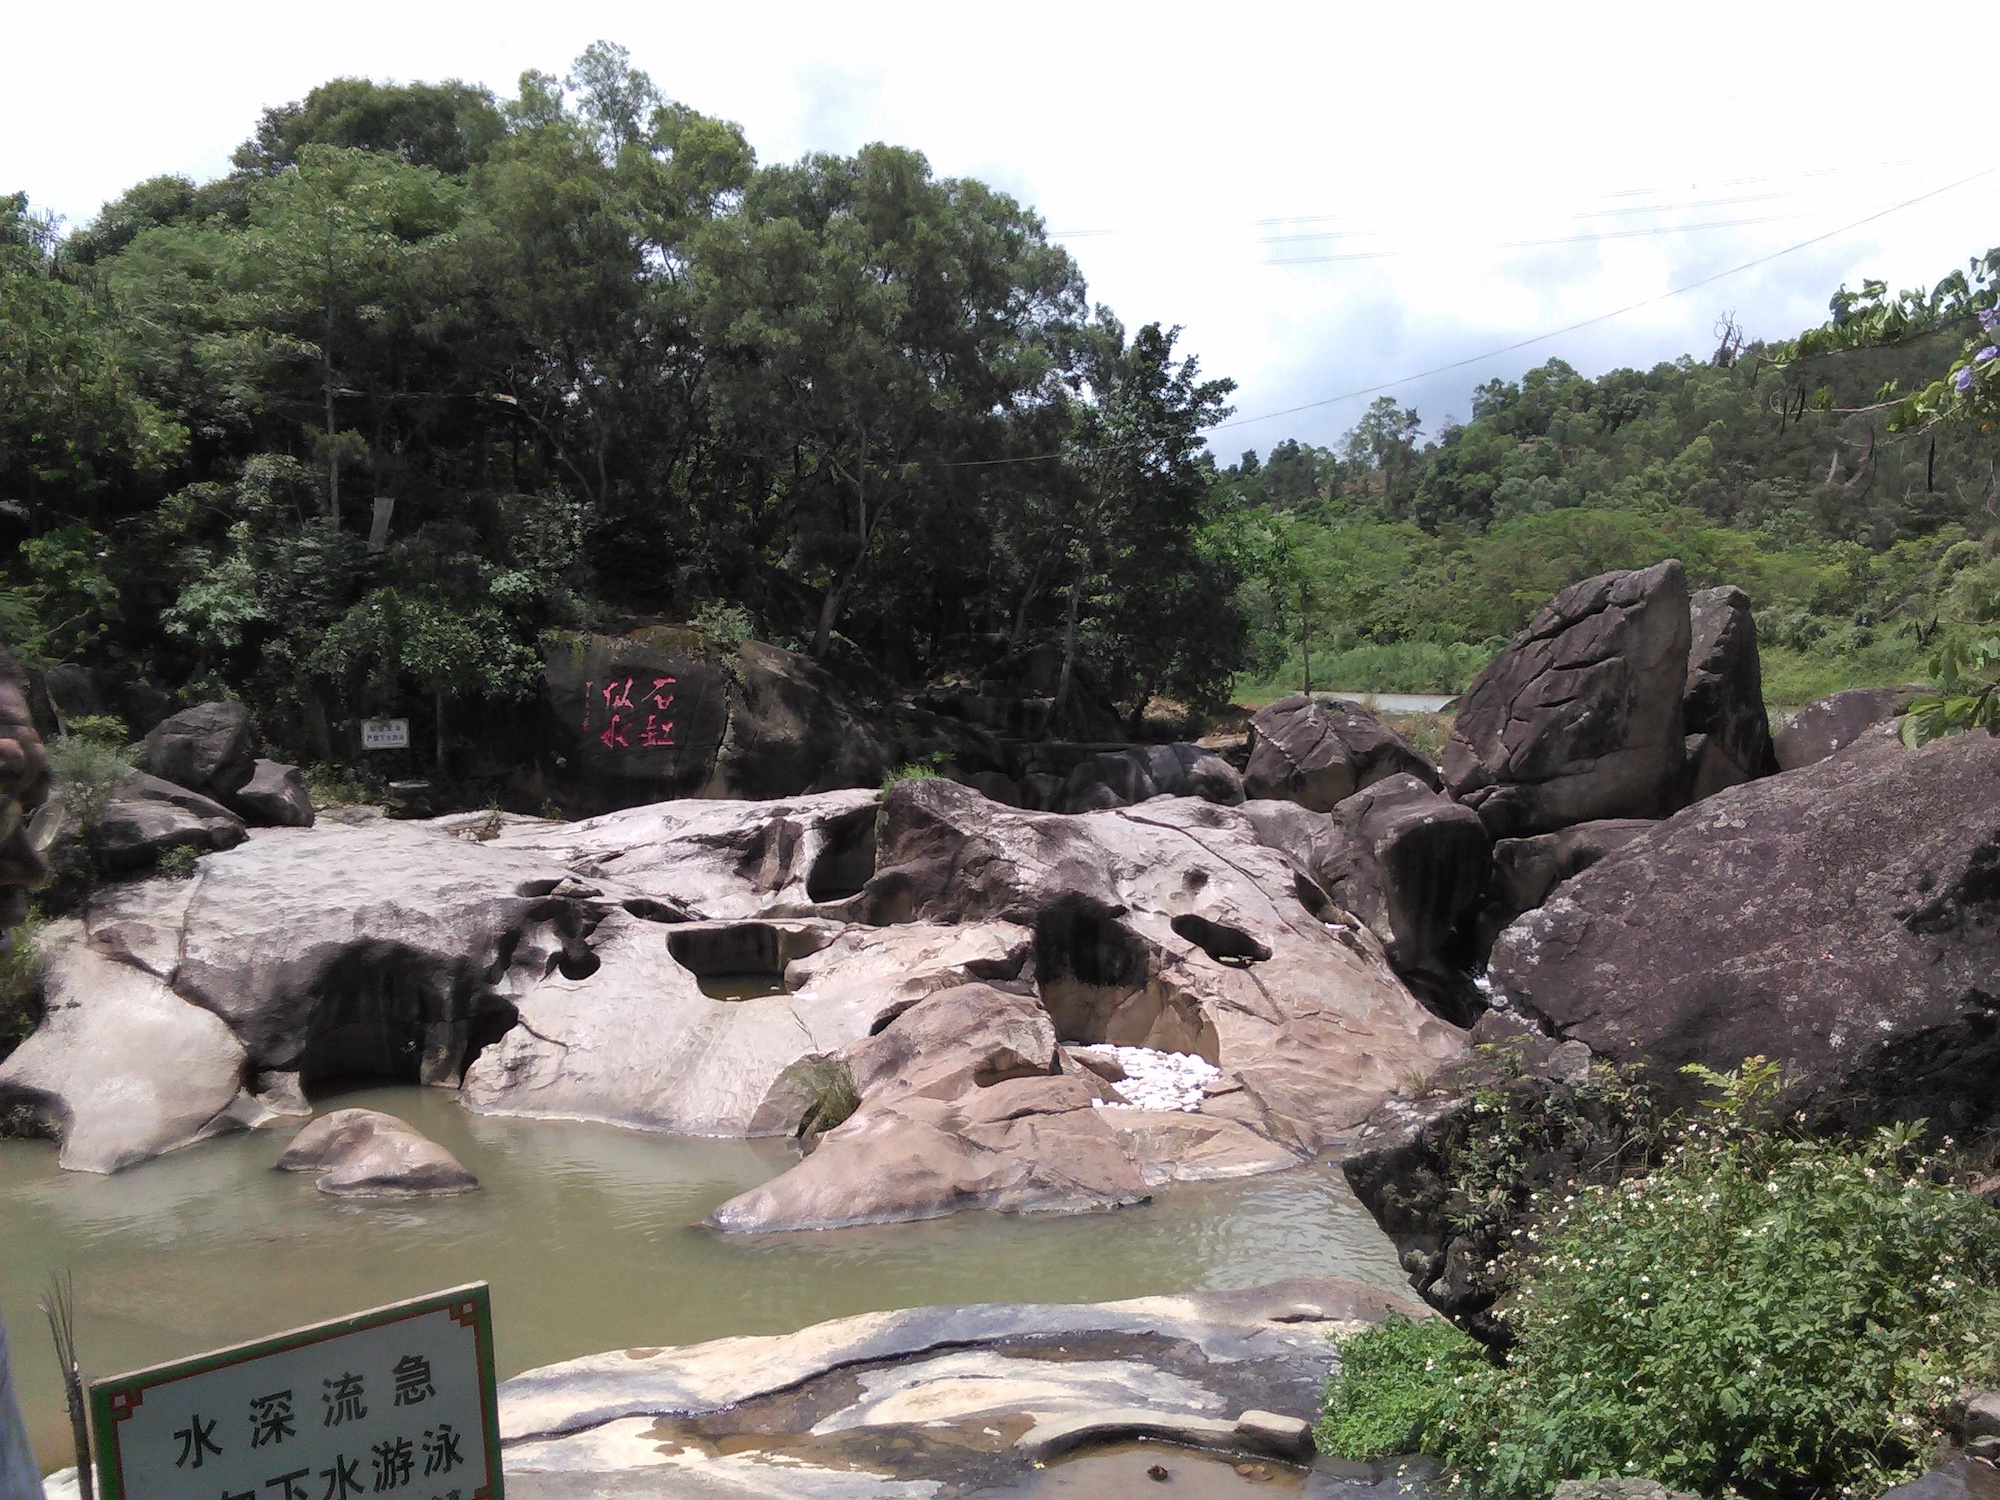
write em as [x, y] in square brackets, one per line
[591, 1238]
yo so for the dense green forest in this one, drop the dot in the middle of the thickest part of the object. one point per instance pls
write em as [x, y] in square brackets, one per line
[431, 374]
[1396, 563]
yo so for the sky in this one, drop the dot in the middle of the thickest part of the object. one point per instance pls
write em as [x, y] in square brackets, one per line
[1327, 198]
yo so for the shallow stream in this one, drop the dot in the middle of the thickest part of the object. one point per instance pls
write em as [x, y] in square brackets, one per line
[591, 1238]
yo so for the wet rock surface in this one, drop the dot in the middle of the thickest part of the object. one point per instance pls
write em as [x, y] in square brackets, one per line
[1580, 716]
[951, 1401]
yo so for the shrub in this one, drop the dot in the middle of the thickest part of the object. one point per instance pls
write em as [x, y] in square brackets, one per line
[342, 786]
[107, 730]
[1762, 1315]
[86, 772]
[1394, 1385]
[20, 986]
[178, 863]
[830, 1093]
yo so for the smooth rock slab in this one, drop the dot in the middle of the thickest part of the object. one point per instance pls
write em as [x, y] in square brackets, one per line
[127, 1068]
[363, 1153]
[930, 1401]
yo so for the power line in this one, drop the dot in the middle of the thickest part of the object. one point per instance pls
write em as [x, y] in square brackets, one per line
[1541, 338]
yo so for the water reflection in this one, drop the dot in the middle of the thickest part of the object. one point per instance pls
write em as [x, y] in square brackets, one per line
[590, 1236]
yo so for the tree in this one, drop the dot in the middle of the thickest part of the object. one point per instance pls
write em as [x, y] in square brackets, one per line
[870, 331]
[1131, 516]
[331, 269]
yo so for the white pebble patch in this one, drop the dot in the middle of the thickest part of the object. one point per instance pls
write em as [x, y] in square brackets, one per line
[1155, 1080]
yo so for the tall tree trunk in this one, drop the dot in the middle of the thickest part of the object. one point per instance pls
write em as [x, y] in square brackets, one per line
[1062, 713]
[332, 449]
[829, 607]
[1305, 633]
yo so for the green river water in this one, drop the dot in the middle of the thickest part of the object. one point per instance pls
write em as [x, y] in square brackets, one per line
[591, 1238]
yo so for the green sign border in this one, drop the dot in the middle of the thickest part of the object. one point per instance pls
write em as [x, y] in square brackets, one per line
[104, 1394]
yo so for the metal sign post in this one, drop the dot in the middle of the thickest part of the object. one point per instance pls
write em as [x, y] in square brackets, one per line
[398, 1401]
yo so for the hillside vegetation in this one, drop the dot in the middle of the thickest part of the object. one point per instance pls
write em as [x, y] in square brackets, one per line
[432, 373]
[1400, 564]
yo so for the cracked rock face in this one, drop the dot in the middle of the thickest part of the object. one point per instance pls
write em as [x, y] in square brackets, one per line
[1848, 917]
[1580, 716]
[1317, 752]
[1722, 711]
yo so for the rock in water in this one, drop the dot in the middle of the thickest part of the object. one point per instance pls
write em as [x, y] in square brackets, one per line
[1315, 752]
[210, 748]
[959, 1110]
[125, 1066]
[1843, 920]
[1722, 711]
[363, 1153]
[1823, 728]
[1579, 717]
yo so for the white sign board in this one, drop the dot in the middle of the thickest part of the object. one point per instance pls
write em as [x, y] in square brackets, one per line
[399, 1401]
[385, 734]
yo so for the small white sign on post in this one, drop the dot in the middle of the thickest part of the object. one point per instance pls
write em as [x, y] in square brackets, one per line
[385, 734]
[398, 1401]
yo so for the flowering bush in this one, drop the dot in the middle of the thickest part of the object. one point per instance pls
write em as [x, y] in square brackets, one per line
[1761, 1315]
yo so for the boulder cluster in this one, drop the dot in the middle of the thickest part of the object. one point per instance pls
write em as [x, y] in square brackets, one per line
[199, 785]
[971, 990]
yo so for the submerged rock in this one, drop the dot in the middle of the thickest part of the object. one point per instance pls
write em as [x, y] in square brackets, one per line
[363, 1153]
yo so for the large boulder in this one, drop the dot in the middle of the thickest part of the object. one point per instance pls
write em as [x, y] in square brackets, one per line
[667, 712]
[1318, 751]
[1172, 925]
[124, 1068]
[960, 1108]
[1123, 778]
[146, 816]
[210, 748]
[275, 796]
[1821, 729]
[1722, 710]
[364, 1153]
[1843, 920]
[1579, 716]
[1411, 864]
[381, 949]
[1526, 870]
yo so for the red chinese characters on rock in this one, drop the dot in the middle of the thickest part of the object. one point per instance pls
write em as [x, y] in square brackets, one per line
[620, 712]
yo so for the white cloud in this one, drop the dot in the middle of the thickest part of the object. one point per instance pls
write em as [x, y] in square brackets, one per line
[1202, 146]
